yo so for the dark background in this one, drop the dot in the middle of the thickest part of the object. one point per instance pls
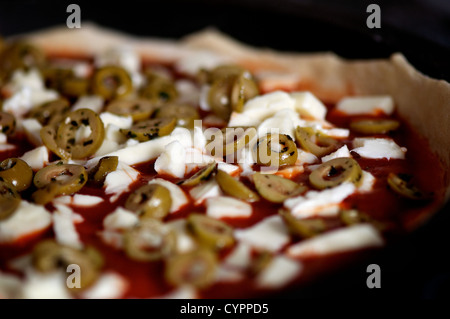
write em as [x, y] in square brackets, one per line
[416, 267]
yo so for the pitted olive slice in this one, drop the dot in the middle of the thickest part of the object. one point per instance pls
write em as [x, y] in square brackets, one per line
[401, 184]
[149, 240]
[235, 188]
[336, 172]
[275, 150]
[48, 256]
[48, 136]
[51, 112]
[220, 72]
[9, 200]
[16, 172]
[373, 126]
[138, 109]
[150, 129]
[75, 87]
[196, 268]
[68, 139]
[150, 201]
[185, 114]
[58, 179]
[275, 188]
[111, 82]
[210, 232]
[7, 123]
[244, 88]
[104, 166]
[202, 175]
[159, 89]
[219, 97]
[305, 228]
[21, 55]
[314, 142]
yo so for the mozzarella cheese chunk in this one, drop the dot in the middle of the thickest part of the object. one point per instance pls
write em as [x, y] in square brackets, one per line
[378, 148]
[185, 242]
[240, 257]
[172, 161]
[45, 286]
[21, 102]
[37, 158]
[78, 200]
[269, 234]
[188, 92]
[225, 274]
[230, 169]
[117, 120]
[306, 104]
[179, 198]
[110, 285]
[367, 182]
[345, 239]
[118, 182]
[26, 220]
[341, 152]
[366, 105]
[282, 122]
[120, 219]
[279, 272]
[223, 206]
[203, 98]
[92, 102]
[64, 228]
[32, 129]
[183, 292]
[205, 190]
[323, 203]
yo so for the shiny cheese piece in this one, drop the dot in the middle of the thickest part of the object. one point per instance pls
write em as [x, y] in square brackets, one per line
[172, 161]
[269, 234]
[92, 102]
[282, 122]
[120, 219]
[279, 272]
[205, 190]
[225, 274]
[366, 105]
[119, 181]
[117, 120]
[185, 242]
[344, 239]
[37, 158]
[367, 182]
[182, 292]
[179, 198]
[32, 129]
[307, 105]
[109, 285]
[21, 102]
[64, 228]
[79, 200]
[45, 285]
[319, 203]
[29, 218]
[341, 152]
[378, 148]
[240, 257]
[224, 206]
[230, 169]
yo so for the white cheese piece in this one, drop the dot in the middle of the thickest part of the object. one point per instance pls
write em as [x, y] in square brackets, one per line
[225, 274]
[305, 157]
[196, 159]
[282, 122]
[378, 148]
[9, 286]
[188, 92]
[118, 182]
[107, 147]
[223, 206]
[205, 190]
[230, 169]
[31, 79]
[279, 272]
[78, 200]
[345, 239]
[172, 160]
[367, 182]
[269, 234]
[182, 292]
[112, 238]
[27, 219]
[191, 62]
[366, 105]
[64, 228]
[92, 102]
[185, 242]
[179, 198]
[199, 138]
[120, 219]
[246, 161]
[335, 132]
[51, 285]
[3, 138]
[6, 147]
[240, 257]
[22, 101]
[341, 152]
[117, 120]
[110, 285]
[204, 98]
[323, 203]
[32, 129]
[306, 104]
[242, 120]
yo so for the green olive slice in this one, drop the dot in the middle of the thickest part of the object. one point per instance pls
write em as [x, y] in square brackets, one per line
[373, 126]
[9, 199]
[275, 188]
[80, 147]
[48, 256]
[55, 76]
[202, 175]
[336, 172]
[21, 55]
[7, 123]
[401, 184]
[159, 89]
[58, 179]
[104, 166]
[195, 268]
[275, 150]
[48, 136]
[304, 228]
[220, 72]
[149, 240]
[235, 188]
[212, 233]
[75, 87]
[150, 129]
[16, 172]
[185, 114]
[244, 88]
[150, 201]
[314, 142]
[51, 112]
[111, 82]
[138, 109]
[219, 97]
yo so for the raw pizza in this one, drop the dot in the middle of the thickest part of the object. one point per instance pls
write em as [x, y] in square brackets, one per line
[203, 168]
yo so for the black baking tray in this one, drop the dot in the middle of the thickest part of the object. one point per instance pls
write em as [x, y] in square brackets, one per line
[414, 267]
